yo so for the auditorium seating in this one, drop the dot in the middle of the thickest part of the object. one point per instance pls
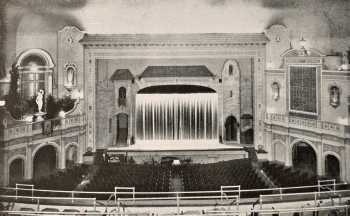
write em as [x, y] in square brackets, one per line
[196, 177]
[201, 177]
[73, 211]
[145, 177]
[62, 180]
[284, 176]
[156, 177]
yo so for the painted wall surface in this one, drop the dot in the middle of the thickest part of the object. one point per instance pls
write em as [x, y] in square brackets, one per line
[137, 66]
[104, 111]
[27, 23]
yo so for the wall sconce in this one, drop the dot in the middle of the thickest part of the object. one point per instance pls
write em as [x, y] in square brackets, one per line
[275, 91]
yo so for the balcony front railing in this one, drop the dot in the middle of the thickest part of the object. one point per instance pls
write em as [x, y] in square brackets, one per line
[42, 127]
[317, 126]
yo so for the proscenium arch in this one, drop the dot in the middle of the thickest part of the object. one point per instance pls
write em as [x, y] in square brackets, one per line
[310, 145]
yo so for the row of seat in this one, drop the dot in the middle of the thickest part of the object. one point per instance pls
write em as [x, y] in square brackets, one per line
[284, 176]
[51, 211]
[156, 177]
[63, 180]
[142, 177]
[200, 177]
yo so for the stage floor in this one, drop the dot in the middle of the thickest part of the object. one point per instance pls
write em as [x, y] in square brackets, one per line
[177, 146]
[210, 152]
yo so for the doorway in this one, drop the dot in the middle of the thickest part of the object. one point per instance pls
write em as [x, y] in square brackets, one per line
[122, 129]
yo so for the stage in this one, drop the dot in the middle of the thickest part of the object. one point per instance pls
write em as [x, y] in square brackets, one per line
[198, 152]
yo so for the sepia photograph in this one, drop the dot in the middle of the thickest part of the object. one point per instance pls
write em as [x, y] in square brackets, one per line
[175, 107]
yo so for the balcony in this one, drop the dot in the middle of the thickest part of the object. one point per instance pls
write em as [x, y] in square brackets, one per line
[317, 126]
[48, 127]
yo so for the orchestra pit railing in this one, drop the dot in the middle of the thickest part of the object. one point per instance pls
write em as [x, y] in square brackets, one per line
[129, 196]
[329, 210]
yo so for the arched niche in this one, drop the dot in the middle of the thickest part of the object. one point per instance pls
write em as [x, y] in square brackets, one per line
[16, 170]
[35, 69]
[231, 128]
[304, 157]
[45, 161]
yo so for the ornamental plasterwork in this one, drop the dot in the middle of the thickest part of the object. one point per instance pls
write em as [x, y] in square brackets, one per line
[304, 61]
[330, 137]
[105, 84]
[178, 53]
[331, 148]
[305, 133]
[70, 33]
[192, 45]
[292, 139]
[35, 145]
[279, 137]
[16, 141]
[19, 151]
[68, 140]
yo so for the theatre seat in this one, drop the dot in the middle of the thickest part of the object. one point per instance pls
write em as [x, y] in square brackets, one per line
[24, 209]
[284, 176]
[92, 213]
[67, 179]
[51, 210]
[73, 211]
